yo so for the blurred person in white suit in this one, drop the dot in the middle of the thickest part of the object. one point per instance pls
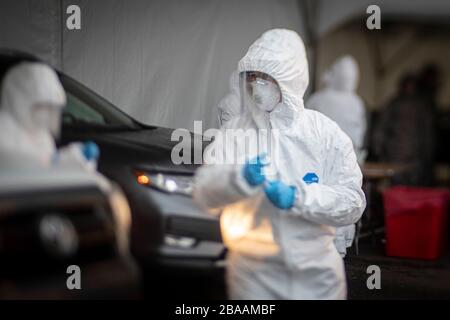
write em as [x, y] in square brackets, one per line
[339, 102]
[32, 99]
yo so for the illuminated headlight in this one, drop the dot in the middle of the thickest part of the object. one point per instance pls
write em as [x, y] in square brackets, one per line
[167, 183]
[180, 242]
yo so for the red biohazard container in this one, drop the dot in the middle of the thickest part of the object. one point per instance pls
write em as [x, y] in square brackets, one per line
[416, 222]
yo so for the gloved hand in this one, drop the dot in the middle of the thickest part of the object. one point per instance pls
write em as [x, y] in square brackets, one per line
[90, 150]
[281, 195]
[253, 171]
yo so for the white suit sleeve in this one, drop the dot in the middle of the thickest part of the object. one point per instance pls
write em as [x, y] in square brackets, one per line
[339, 199]
[217, 184]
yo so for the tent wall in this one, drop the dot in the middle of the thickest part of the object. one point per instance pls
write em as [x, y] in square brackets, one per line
[165, 62]
[33, 26]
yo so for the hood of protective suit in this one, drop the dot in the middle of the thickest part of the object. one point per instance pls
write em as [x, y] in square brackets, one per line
[26, 124]
[342, 75]
[281, 54]
[28, 85]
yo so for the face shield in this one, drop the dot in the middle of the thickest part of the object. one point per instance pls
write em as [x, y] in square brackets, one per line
[47, 117]
[260, 95]
[259, 90]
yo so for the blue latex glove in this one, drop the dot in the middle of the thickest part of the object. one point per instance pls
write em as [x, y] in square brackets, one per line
[90, 150]
[281, 195]
[253, 171]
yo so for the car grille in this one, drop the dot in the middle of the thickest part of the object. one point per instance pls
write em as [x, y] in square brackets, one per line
[201, 229]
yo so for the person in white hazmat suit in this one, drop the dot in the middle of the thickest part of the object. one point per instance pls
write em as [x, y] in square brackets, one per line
[339, 102]
[279, 222]
[32, 99]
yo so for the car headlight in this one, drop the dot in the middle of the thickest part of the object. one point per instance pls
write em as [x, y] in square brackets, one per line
[179, 242]
[166, 182]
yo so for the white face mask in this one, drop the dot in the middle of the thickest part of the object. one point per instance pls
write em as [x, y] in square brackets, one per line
[266, 94]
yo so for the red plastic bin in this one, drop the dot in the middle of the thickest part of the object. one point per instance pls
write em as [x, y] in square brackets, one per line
[416, 222]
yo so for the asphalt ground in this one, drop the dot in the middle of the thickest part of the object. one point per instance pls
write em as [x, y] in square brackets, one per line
[400, 278]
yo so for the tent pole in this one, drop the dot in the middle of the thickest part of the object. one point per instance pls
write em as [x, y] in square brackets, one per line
[61, 35]
[308, 10]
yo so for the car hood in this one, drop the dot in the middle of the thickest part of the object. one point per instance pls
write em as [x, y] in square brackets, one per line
[159, 138]
[148, 149]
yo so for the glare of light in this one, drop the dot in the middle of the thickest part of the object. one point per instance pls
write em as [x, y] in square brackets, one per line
[143, 179]
[235, 231]
[236, 224]
[171, 185]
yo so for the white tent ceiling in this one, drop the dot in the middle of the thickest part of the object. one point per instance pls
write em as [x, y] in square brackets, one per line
[167, 62]
[331, 13]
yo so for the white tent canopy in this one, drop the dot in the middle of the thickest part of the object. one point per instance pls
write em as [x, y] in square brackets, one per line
[331, 14]
[167, 62]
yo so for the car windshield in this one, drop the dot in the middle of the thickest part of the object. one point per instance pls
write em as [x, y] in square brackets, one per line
[87, 109]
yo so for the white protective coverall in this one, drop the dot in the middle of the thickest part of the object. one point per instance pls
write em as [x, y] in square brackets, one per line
[230, 105]
[32, 99]
[338, 101]
[274, 253]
